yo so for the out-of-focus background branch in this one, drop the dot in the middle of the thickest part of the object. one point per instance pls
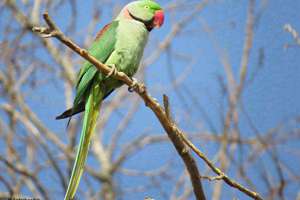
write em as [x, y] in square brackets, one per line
[230, 68]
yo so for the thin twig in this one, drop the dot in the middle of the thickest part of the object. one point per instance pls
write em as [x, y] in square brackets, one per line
[289, 28]
[215, 169]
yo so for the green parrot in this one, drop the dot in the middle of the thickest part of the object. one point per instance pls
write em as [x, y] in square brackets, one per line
[119, 45]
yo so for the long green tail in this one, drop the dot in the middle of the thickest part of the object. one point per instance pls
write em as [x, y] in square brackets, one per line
[92, 108]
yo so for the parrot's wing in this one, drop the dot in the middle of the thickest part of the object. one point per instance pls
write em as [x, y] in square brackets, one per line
[80, 108]
[101, 49]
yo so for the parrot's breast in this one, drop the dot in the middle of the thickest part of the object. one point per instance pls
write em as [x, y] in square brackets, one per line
[132, 37]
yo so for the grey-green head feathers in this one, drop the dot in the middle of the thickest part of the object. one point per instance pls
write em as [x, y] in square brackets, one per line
[144, 9]
[148, 12]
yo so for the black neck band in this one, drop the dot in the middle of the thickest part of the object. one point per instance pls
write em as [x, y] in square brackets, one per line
[148, 24]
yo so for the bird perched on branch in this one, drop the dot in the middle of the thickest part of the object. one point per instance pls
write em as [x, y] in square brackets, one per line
[120, 45]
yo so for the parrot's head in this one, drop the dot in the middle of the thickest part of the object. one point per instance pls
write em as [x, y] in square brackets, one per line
[146, 11]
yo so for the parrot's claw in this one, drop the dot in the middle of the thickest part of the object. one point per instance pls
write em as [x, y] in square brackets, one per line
[133, 86]
[113, 71]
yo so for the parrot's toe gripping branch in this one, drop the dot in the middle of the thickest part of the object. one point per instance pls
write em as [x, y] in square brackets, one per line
[134, 85]
[113, 71]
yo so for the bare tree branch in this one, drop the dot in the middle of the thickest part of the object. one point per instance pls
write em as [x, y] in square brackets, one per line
[53, 31]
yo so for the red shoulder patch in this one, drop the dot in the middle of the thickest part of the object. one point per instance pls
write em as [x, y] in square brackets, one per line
[102, 31]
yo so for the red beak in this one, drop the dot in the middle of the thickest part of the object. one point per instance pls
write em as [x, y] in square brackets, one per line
[159, 18]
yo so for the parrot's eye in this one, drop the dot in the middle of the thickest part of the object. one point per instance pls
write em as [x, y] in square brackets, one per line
[147, 7]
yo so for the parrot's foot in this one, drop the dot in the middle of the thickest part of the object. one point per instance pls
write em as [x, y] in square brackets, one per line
[134, 85]
[113, 71]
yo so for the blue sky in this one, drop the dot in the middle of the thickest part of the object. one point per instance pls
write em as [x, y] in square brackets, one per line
[272, 98]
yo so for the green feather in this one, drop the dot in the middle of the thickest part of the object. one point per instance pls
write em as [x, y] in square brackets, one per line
[92, 108]
[101, 49]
